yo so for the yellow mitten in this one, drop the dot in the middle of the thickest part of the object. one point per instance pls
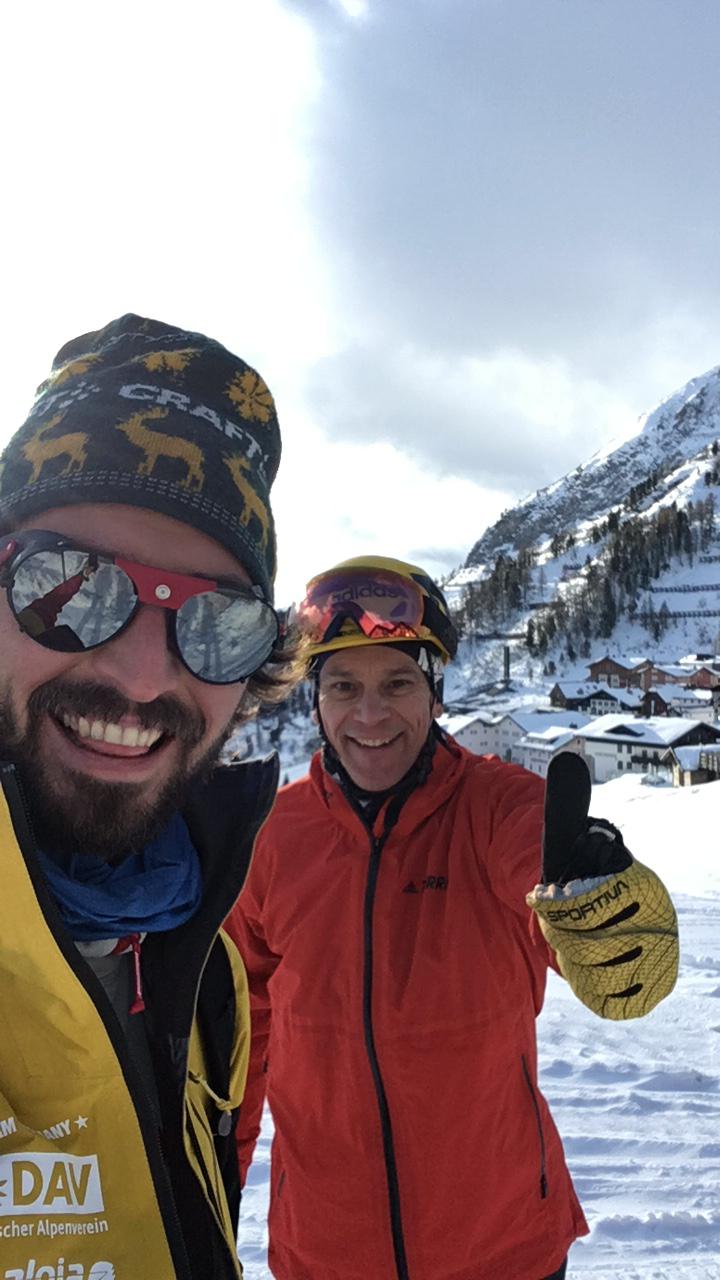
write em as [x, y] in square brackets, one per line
[615, 937]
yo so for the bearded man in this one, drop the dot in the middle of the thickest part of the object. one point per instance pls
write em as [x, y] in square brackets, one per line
[137, 556]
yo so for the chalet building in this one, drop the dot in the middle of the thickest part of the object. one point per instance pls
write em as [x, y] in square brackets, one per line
[692, 766]
[607, 700]
[610, 671]
[648, 675]
[693, 704]
[573, 695]
[615, 744]
[536, 750]
[705, 677]
[507, 730]
[595, 698]
[470, 730]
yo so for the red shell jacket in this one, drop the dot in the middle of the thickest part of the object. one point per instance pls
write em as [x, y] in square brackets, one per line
[394, 990]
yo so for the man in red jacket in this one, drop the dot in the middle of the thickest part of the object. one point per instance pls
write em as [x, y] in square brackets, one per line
[397, 943]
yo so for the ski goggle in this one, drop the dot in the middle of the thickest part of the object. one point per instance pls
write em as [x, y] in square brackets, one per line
[71, 599]
[377, 603]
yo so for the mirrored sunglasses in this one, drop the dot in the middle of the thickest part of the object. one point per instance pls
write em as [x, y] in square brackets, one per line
[71, 599]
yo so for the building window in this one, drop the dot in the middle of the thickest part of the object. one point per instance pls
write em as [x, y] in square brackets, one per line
[619, 764]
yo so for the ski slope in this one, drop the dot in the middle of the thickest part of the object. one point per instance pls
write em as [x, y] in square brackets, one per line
[637, 1105]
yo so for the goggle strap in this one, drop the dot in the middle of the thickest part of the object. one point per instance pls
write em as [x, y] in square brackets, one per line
[336, 624]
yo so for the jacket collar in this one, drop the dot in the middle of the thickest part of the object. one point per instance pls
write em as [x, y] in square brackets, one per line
[448, 767]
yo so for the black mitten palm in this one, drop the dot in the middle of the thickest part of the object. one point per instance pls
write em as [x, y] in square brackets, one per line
[576, 846]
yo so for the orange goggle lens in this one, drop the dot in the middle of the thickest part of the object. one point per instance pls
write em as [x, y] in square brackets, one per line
[381, 604]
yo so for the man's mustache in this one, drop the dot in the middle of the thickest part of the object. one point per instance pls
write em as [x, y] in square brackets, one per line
[97, 701]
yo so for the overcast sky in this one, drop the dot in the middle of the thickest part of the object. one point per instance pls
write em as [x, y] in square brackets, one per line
[466, 242]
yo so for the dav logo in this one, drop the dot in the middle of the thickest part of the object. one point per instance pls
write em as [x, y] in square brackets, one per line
[46, 1182]
[63, 1271]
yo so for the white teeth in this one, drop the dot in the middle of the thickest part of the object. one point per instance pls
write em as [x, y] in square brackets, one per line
[140, 737]
[102, 731]
[373, 742]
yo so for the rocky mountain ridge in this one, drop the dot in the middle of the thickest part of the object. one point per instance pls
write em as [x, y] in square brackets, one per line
[674, 434]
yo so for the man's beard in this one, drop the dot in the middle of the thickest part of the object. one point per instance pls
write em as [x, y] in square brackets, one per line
[74, 813]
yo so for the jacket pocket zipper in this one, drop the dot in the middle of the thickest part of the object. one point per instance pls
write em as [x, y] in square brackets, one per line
[538, 1122]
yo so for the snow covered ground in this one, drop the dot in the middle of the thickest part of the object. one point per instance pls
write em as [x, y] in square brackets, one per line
[638, 1105]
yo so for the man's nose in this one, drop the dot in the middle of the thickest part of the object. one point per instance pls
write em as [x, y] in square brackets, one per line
[139, 662]
[371, 706]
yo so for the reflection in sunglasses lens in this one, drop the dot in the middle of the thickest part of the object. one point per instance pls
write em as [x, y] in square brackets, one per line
[71, 600]
[224, 637]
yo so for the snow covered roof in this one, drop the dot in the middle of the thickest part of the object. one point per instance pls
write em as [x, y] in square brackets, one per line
[689, 757]
[628, 697]
[537, 721]
[654, 731]
[455, 723]
[597, 689]
[552, 739]
[578, 689]
[611, 657]
[693, 695]
[675, 693]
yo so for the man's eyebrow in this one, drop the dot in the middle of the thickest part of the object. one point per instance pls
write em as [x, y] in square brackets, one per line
[348, 671]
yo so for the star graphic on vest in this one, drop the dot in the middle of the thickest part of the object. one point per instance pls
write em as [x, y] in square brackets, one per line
[81, 1122]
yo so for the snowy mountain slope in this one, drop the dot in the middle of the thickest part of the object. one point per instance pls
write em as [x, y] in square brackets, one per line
[621, 555]
[679, 429]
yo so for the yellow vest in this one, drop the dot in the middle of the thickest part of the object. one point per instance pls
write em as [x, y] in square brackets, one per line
[83, 1195]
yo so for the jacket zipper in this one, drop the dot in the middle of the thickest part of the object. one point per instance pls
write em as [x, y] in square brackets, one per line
[391, 1171]
[19, 810]
[538, 1122]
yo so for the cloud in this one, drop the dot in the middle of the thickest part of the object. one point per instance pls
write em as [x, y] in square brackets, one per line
[333, 500]
[516, 204]
[504, 421]
[520, 176]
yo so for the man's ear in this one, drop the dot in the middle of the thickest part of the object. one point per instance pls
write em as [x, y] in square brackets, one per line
[437, 709]
[314, 716]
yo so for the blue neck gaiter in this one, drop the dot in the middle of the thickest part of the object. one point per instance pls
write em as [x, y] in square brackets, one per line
[157, 889]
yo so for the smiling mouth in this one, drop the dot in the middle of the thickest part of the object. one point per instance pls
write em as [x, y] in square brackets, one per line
[95, 734]
[374, 744]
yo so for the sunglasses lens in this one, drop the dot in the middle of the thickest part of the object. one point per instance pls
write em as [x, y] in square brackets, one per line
[223, 636]
[70, 600]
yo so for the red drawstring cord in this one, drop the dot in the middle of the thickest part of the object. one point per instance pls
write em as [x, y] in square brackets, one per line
[133, 943]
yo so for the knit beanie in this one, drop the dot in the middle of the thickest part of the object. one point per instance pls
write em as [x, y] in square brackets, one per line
[149, 415]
